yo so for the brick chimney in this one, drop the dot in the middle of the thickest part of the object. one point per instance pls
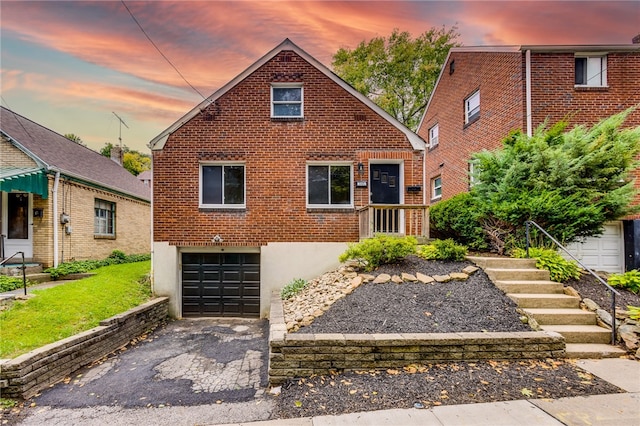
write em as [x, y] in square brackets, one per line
[636, 39]
[117, 154]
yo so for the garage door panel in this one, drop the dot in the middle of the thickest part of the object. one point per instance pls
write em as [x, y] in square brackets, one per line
[602, 253]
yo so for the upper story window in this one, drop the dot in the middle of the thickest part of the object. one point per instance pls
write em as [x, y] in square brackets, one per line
[473, 171]
[436, 187]
[222, 185]
[104, 222]
[433, 136]
[591, 71]
[329, 185]
[472, 107]
[287, 101]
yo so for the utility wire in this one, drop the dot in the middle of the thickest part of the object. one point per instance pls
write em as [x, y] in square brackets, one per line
[158, 49]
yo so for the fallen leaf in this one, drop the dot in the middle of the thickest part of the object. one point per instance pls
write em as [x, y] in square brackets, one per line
[393, 372]
[526, 392]
[352, 391]
[298, 404]
[484, 382]
[428, 314]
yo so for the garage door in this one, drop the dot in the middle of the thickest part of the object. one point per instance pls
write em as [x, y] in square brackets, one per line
[221, 284]
[603, 253]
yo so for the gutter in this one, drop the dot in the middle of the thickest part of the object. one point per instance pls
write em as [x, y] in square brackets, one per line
[55, 218]
[528, 91]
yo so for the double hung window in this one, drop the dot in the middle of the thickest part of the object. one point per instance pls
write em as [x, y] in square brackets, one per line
[436, 187]
[222, 185]
[104, 218]
[433, 136]
[287, 101]
[591, 71]
[472, 107]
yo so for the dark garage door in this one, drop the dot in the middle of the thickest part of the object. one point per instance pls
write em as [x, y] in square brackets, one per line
[221, 284]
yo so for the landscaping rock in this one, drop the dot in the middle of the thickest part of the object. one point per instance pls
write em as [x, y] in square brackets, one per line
[396, 279]
[590, 304]
[382, 278]
[425, 279]
[408, 277]
[570, 291]
[442, 278]
[458, 276]
[470, 269]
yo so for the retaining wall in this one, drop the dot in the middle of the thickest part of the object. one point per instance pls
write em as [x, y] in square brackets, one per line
[26, 375]
[302, 355]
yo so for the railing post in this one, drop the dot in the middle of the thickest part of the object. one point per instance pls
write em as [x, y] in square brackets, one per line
[24, 274]
[527, 226]
[613, 318]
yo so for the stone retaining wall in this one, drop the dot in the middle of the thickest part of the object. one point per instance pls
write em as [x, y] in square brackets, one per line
[26, 375]
[302, 355]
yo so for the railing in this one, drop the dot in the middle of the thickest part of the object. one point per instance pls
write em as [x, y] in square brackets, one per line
[394, 219]
[1, 246]
[23, 267]
[586, 268]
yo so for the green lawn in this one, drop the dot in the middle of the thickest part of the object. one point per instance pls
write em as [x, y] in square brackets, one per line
[62, 311]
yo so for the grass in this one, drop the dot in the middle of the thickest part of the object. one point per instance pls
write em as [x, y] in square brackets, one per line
[62, 311]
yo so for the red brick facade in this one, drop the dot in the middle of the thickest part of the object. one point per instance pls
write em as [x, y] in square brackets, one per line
[500, 75]
[337, 126]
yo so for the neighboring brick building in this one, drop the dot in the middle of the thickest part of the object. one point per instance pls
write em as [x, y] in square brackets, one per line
[483, 93]
[48, 182]
[263, 181]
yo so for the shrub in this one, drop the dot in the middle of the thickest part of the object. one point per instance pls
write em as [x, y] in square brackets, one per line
[559, 268]
[11, 283]
[293, 288]
[379, 250]
[629, 280]
[634, 312]
[82, 266]
[443, 250]
[459, 218]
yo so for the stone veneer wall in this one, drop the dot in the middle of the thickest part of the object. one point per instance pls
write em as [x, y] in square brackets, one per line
[26, 375]
[302, 355]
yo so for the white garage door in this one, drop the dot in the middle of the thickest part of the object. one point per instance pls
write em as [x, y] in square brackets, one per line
[603, 253]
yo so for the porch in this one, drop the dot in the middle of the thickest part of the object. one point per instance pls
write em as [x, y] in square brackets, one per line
[394, 219]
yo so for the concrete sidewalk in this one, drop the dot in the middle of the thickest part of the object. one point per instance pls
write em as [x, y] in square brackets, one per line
[615, 409]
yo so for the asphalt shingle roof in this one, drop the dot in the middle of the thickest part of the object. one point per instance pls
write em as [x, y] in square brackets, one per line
[70, 158]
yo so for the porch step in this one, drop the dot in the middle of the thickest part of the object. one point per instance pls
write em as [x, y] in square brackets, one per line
[593, 351]
[502, 262]
[528, 300]
[562, 316]
[529, 286]
[517, 274]
[581, 333]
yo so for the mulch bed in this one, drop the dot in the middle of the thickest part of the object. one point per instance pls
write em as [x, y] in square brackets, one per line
[472, 305]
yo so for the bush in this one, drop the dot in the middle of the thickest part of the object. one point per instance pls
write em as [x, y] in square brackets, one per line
[11, 283]
[634, 312]
[443, 250]
[81, 266]
[629, 280]
[559, 268]
[459, 218]
[379, 250]
[293, 288]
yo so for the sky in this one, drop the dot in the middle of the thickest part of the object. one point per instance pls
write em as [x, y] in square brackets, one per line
[79, 67]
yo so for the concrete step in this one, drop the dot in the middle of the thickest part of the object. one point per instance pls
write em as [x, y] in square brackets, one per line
[593, 351]
[528, 286]
[518, 274]
[503, 262]
[581, 333]
[528, 300]
[562, 316]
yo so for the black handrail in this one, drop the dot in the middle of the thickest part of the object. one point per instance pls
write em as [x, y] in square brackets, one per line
[611, 289]
[23, 267]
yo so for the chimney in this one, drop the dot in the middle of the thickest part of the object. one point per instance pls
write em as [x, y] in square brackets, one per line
[116, 154]
[636, 39]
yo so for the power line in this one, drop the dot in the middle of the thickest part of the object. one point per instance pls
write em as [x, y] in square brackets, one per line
[158, 49]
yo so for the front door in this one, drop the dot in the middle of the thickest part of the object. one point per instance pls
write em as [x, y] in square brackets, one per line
[385, 189]
[16, 223]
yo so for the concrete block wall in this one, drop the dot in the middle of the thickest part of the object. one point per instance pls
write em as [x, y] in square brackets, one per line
[27, 374]
[302, 355]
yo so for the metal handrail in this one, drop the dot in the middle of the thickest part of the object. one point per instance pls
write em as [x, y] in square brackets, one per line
[23, 267]
[611, 289]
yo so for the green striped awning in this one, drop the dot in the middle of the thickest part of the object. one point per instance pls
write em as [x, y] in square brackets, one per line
[33, 181]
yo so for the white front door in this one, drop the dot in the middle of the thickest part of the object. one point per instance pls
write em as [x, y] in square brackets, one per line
[17, 223]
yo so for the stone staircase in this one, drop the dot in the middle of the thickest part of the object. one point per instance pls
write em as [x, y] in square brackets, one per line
[545, 301]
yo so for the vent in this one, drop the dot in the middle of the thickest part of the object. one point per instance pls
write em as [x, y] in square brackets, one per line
[360, 116]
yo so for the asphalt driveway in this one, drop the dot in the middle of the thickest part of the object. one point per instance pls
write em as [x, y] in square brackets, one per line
[212, 370]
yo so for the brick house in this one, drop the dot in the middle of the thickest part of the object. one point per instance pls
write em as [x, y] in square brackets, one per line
[483, 93]
[269, 178]
[61, 201]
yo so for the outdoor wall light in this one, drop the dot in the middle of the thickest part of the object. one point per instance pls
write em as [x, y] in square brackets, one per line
[217, 239]
[360, 169]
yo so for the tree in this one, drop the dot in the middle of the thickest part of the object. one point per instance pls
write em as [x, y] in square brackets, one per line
[134, 161]
[569, 182]
[398, 73]
[74, 138]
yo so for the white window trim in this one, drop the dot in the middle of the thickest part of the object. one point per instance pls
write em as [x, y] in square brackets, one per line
[222, 206]
[433, 141]
[287, 85]
[112, 212]
[603, 68]
[467, 117]
[433, 188]
[329, 206]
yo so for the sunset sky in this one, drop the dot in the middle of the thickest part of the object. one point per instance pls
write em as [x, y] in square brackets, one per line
[70, 65]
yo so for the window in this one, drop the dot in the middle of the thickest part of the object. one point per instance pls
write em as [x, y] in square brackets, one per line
[286, 101]
[329, 185]
[433, 136]
[222, 185]
[472, 107]
[105, 218]
[436, 187]
[591, 71]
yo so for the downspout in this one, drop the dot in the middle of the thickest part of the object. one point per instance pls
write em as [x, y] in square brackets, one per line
[55, 218]
[528, 89]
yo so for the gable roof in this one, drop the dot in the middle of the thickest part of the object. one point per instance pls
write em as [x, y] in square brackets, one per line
[158, 142]
[54, 152]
